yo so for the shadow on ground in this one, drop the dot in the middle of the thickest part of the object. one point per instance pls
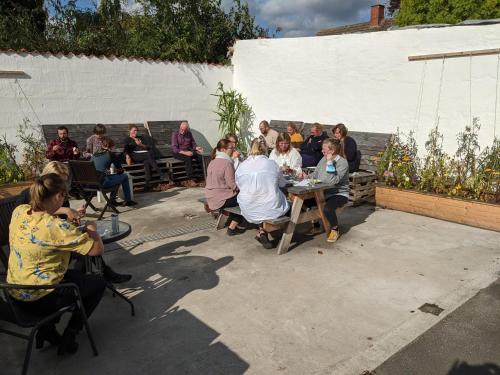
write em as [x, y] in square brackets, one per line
[463, 368]
[162, 338]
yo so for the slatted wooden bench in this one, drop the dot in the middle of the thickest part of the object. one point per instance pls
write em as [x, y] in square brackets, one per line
[118, 132]
[161, 132]
[361, 182]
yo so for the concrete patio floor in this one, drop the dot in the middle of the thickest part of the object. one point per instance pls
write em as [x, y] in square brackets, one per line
[210, 304]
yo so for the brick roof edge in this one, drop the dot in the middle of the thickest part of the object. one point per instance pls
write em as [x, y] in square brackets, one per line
[70, 55]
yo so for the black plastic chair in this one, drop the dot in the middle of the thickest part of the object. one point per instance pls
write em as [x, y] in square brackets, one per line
[88, 182]
[13, 314]
[7, 206]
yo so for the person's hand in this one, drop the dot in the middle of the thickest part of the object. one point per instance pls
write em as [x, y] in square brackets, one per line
[137, 141]
[329, 156]
[56, 147]
[199, 149]
[90, 226]
[236, 155]
[81, 211]
[128, 159]
[187, 153]
[76, 151]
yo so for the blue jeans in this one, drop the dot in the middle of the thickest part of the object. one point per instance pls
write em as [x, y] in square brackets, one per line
[118, 179]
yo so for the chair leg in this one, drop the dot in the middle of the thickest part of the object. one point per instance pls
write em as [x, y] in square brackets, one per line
[115, 292]
[27, 356]
[87, 329]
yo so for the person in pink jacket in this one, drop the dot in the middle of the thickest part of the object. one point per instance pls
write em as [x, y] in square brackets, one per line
[220, 188]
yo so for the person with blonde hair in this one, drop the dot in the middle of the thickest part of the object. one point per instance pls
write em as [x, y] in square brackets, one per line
[286, 156]
[40, 248]
[311, 148]
[260, 198]
[65, 212]
[333, 169]
[295, 137]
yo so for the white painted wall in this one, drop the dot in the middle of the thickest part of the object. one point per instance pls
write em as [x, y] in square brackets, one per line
[62, 89]
[367, 82]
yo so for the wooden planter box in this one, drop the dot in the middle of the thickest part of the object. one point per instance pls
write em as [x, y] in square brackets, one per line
[9, 190]
[473, 213]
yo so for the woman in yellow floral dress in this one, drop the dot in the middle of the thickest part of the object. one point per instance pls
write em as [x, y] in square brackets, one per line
[40, 249]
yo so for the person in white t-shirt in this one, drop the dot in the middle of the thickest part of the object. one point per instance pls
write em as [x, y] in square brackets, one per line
[259, 180]
[286, 156]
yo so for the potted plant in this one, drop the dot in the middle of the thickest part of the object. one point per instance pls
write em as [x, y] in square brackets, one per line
[15, 176]
[234, 115]
[463, 189]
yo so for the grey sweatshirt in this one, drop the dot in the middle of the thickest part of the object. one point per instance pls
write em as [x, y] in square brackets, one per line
[340, 178]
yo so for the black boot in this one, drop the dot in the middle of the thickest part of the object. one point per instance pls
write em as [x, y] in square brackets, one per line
[47, 333]
[68, 343]
[113, 277]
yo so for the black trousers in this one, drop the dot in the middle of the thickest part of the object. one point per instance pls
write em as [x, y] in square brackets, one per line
[232, 202]
[91, 289]
[188, 162]
[331, 204]
[149, 163]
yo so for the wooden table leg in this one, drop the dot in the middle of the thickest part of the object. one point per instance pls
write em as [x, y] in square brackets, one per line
[290, 228]
[320, 201]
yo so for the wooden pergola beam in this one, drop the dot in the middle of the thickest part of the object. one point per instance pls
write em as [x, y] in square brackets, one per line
[11, 72]
[448, 55]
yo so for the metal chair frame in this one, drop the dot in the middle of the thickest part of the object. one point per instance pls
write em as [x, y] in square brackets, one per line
[12, 314]
[87, 180]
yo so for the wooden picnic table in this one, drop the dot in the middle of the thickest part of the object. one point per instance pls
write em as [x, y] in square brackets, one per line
[298, 194]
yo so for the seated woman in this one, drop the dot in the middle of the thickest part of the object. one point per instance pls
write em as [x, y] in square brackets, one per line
[236, 156]
[286, 156]
[333, 169]
[220, 188]
[102, 162]
[41, 245]
[73, 216]
[295, 137]
[94, 142]
[139, 149]
[349, 146]
[260, 198]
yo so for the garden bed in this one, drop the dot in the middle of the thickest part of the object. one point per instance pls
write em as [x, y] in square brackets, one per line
[9, 190]
[469, 212]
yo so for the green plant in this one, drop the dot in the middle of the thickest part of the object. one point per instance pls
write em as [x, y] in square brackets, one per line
[435, 172]
[235, 115]
[398, 165]
[489, 169]
[33, 149]
[10, 171]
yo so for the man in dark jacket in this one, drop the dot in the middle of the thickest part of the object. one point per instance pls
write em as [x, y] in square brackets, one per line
[310, 149]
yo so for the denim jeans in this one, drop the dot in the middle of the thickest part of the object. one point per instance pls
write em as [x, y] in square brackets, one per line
[118, 179]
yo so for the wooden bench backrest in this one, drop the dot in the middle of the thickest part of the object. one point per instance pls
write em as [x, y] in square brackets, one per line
[161, 132]
[281, 125]
[77, 132]
[80, 132]
[369, 144]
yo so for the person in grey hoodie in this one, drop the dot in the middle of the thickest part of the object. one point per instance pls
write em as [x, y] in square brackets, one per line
[333, 169]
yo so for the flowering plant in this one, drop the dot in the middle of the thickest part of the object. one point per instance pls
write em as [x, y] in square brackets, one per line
[469, 174]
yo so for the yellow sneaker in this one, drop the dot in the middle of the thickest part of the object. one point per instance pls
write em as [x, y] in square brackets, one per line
[333, 236]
